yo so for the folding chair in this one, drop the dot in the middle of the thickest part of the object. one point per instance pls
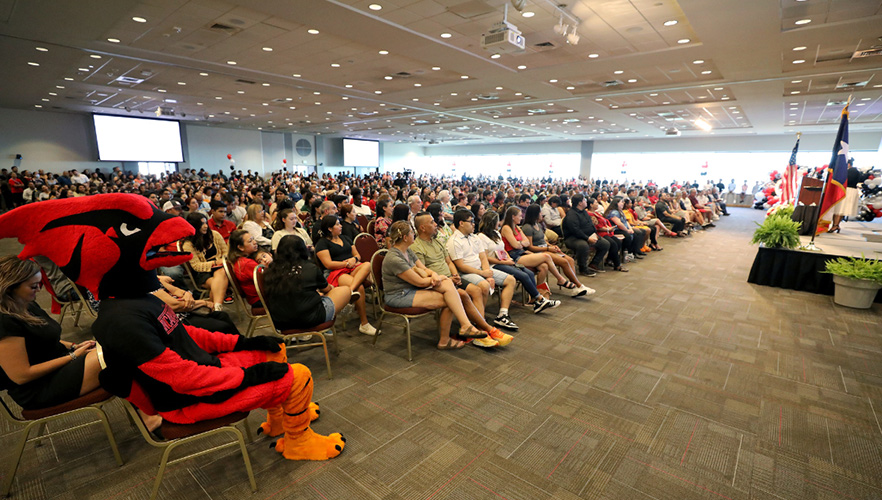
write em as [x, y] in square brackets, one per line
[203, 292]
[370, 226]
[179, 434]
[90, 403]
[367, 246]
[362, 222]
[76, 305]
[298, 333]
[254, 314]
[405, 313]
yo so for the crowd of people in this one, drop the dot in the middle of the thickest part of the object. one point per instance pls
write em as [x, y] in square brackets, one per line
[450, 245]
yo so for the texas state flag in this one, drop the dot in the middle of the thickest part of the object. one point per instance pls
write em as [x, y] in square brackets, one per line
[837, 178]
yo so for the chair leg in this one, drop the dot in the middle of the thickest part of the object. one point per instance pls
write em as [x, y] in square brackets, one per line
[16, 459]
[162, 464]
[251, 324]
[327, 358]
[64, 309]
[246, 458]
[379, 327]
[336, 345]
[79, 313]
[106, 424]
[40, 431]
[407, 332]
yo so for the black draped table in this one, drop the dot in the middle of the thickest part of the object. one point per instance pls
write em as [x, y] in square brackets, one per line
[793, 270]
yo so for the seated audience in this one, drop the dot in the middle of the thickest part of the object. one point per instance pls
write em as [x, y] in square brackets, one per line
[580, 235]
[257, 226]
[535, 242]
[633, 240]
[218, 221]
[409, 283]
[207, 248]
[242, 252]
[287, 223]
[516, 243]
[351, 229]
[606, 230]
[383, 220]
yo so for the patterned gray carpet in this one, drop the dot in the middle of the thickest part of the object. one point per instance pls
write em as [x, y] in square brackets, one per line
[678, 380]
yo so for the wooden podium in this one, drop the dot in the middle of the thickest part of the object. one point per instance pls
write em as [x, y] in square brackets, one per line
[808, 204]
[810, 191]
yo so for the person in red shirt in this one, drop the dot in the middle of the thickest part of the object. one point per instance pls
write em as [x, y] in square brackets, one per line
[16, 188]
[218, 222]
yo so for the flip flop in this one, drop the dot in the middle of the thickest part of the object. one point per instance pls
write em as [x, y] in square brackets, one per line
[451, 345]
[471, 333]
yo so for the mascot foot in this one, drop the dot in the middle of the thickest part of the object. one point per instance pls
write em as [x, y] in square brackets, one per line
[314, 412]
[308, 445]
[274, 425]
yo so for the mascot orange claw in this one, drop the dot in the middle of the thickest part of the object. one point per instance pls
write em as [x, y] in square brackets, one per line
[112, 245]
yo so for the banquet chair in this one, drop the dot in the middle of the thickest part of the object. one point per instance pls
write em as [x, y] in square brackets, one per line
[254, 314]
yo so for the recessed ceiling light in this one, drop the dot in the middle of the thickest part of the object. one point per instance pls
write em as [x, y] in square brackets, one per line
[316, 93]
[240, 91]
[265, 84]
[383, 52]
[797, 49]
[446, 35]
[335, 65]
[706, 72]
[296, 75]
[718, 88]
[267, 49]
[799, 61]
[453, 93]
[794, 92]
[42, 49]
[436, 68]
[348, 85]
[618, 72]
[313, 31]
[59, 86]
[231, 63]
[552, 81]
[724, 98]
[683, 40]
[632, 80]
[522, 67]
[571, 88]
[796, 81]
[653, 95]
[698, 61]
[495, 56]
[161, 90]
[52, 93]
[803, 21]
[598, 99]
[378, 92]
[37, 106]
[44, 99]
[375, 6]
[666, 102]
[865, 98]
[218, 98]
[31, 63]
[465, 77]
[519, 93]
[203, 74]
[670, 23]
[71, 79]
[139, 20]
[593, 56]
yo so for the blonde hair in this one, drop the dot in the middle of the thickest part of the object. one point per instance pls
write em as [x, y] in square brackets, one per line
[252, 211]
[398, 231]
[14, 272]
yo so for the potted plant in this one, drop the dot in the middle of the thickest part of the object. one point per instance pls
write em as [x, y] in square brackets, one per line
[777, 232]
[857, 280]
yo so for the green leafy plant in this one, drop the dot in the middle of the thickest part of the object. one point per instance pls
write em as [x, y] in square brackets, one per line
[783, 211]
[856, 268]
[777, 232]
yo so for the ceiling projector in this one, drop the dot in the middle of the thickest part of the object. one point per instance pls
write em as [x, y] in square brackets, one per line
[503, 38]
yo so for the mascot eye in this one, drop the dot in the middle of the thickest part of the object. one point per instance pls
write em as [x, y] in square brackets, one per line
[124, 229]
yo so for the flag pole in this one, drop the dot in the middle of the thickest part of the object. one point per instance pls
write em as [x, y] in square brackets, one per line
[811, 245]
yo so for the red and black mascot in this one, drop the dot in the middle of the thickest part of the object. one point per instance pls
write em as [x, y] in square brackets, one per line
[112, 244]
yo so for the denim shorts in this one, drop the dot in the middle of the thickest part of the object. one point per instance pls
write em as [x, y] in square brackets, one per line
[475, 279]
[401, 298]
[329, 308]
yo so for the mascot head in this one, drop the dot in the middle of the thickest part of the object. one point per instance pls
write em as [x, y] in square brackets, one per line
[108, 243]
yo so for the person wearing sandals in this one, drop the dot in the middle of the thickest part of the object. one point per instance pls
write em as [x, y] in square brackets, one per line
[517, 245]
[409, 283]
[536, 243]
[297, 291]
[651, 233]
[502, 261]
[634, 239]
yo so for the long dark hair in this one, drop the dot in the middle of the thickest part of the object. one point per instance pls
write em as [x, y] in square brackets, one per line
[279, 223]
[613, 205]
[488, 225]
[283, 275]
[400, 212]
[531, 218]
[434, 210]
[509, 217]
[237, 238]
[328, 222]
[201, 242]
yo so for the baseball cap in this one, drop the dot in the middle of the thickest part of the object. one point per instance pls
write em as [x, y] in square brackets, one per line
[169, 205]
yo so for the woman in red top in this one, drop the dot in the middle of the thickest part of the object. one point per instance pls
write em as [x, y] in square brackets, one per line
[242, 247]
[16, 188]
[606, 230]
[516, 244]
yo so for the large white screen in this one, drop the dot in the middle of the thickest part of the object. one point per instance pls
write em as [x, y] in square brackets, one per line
[121, 138]
[358, 153]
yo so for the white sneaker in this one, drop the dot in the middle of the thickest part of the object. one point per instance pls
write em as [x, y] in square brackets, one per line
[218, 307]
[367, 329]
[588, 291]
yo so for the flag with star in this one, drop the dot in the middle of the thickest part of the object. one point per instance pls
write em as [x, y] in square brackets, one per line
[837, 176]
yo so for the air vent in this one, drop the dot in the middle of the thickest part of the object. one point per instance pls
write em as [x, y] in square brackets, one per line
[367, 113]
[223, 28]
[421, 122]
[487, 97]
[672, 132]
[851, 85]
[403, 74]
[875, 51]
[837, 103]
[544, 44]
[612, 83]
[537, 111]
[245, 82]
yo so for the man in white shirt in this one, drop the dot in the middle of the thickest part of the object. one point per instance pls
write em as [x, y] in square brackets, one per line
[470, 260]
[78, 178]
[551, 215]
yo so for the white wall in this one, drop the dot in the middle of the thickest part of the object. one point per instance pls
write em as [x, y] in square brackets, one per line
[505, 149]
[858, 141]
[395, 157]
[54, 142]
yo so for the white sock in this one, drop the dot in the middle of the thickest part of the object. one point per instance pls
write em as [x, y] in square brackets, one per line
[503, 311]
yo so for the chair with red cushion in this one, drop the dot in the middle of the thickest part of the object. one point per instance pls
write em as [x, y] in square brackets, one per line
[302, 334]
[367, 246]
[90, 403]
[405, 313]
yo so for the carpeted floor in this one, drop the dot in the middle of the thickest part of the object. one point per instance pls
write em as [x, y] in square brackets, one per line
[678, 380]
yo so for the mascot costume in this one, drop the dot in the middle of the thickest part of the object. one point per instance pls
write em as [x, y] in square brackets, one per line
[111, 244]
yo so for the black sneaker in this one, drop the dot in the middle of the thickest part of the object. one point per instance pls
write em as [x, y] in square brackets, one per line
[544, 304]
[588, 272]
[505, 322]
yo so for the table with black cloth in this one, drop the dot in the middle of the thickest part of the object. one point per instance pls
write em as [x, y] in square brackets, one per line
[793, 270]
